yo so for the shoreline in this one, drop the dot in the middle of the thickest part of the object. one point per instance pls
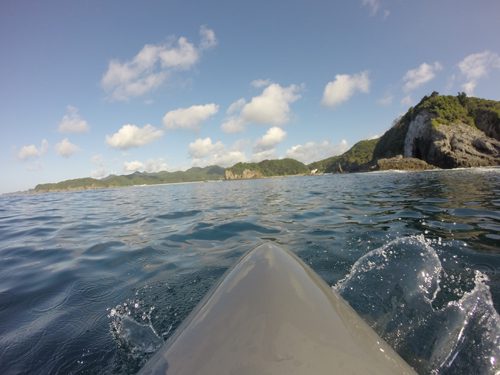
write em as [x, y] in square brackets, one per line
[33, 192]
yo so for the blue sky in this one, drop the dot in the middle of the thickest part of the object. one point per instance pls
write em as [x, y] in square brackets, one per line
[90, 88]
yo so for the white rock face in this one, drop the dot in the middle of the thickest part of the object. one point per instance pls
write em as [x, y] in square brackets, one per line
[416, 129]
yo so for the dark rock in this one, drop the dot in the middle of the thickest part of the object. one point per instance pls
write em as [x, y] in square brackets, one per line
[400, 163]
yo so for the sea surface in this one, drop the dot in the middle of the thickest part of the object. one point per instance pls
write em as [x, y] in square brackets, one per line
[93, 282]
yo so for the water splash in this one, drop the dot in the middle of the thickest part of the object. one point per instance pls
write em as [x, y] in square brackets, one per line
[400, 288]
[131, 327]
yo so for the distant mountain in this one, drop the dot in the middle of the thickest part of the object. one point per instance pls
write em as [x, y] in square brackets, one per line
[138, 178]
[266, 168]
[440, 131]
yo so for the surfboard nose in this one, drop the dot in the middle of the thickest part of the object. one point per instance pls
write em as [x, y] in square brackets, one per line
[271, 314]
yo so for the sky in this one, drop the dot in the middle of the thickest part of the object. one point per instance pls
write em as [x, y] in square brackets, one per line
[92, 87]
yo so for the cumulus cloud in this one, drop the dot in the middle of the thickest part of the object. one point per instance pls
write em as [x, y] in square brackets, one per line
[204, 152]
[263, 155]
[155, 165]
[203, 147]
[189, 118]
[314, 151]
[476, 66]
[417, 77]
[72, 122]
[344, 86]
[133, 136]
[32, 151]
[271, 107]
[150, 166]
[132, 166]
[272, 137]
[233, 125]
[152, 65]
[65, 148]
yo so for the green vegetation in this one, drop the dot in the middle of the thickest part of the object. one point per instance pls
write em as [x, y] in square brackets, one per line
[137, 178]
[268, 168]
[355, 159]
[444, 110]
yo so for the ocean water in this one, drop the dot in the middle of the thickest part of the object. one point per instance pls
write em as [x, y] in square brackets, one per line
[93, 282]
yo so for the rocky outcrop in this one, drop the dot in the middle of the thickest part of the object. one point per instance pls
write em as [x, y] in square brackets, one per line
[400, 163]
[246, 174]
[450, 146]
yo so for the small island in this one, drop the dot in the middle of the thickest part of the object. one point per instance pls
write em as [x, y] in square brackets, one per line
[439, 132]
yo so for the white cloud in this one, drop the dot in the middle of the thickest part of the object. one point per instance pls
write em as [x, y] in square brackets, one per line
[155, 165]
[203, 147]
[272, 137]
[264, 155]
[233, 125]
[407, 100]
[208, 38]
[133, 136]
[32, 151]
[150, 166]
[476, 66]
[271, 107]
[314, 151]
[417, 77]
[65, 148]
[189, 118]
[344, 86]
[259, 83]
[72, 122]
[372, 5]
[204, 152]
[152, 65]
[132, 166]
[236, 106]
[99, 173]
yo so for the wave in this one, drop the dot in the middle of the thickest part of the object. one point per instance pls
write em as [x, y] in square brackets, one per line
[438, 321]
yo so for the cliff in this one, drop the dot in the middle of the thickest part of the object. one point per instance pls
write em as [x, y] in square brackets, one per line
[447, 132]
